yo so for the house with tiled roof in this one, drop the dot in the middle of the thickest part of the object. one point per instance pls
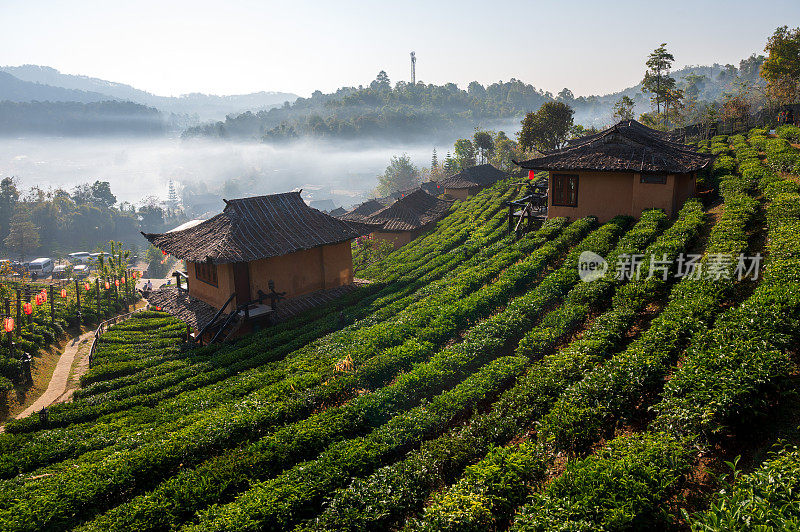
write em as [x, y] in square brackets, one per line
[408, 217]
[257, 251]
[624, 169]
[470, 181]
[363, 211]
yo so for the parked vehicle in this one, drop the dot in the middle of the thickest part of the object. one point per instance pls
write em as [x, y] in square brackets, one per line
[61, 271]
[41, 267]
[80, 257]
[81, 271]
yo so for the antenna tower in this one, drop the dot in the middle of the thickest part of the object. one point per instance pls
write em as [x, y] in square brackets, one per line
[413, 68]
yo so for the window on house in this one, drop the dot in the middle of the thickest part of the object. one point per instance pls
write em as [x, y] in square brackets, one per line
[206, 272]
[654, 179]
[565, 190]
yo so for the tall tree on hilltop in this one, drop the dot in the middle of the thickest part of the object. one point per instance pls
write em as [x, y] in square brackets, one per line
[381, 82]
[547, 128]
[781, 68]
[657, 79]
[566, 96]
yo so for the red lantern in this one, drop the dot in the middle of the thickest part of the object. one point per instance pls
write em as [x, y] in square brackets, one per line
[43, 295]
[87, 287]
[164, 253]
[158, 309]
[116, 283]
[531, 174]
[39, 300]
[27, 308]
[8, 324]
[122, 280]
[108, 285]
[64, 293]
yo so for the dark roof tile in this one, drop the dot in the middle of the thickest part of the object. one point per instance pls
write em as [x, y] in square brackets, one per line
[626, 147]
[256, 228]
[410, 212]
[475, 176]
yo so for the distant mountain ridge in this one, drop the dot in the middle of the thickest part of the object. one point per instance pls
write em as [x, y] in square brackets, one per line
[13, 89]
[48, 84]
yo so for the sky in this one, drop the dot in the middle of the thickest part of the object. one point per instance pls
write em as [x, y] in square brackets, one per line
[239, 46]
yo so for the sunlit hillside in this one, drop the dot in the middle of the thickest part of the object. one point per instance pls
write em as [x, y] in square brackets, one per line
[475, 384]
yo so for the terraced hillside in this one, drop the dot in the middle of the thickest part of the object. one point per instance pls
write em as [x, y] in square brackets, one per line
[476, 384]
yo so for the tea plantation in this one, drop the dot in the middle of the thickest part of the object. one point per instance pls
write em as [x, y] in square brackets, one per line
[476, 384]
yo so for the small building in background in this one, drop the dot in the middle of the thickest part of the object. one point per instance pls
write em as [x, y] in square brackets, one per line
[337, 212]
[470, 181]
[407, 218]
[624, 169]
[363, 211]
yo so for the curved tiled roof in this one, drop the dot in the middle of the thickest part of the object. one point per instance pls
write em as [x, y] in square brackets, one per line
[410, 212]
[363, 211]
[256, 228]
[475, 176]
[626, 147]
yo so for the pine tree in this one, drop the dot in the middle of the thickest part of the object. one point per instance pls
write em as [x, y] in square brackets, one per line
[172, 197]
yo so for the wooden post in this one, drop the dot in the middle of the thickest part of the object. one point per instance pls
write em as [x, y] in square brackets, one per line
[97, 285]
[78, 299]
[19, 310]
[52, 307]
[125, 292]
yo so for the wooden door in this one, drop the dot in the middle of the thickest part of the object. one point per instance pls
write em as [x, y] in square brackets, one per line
[241, 282]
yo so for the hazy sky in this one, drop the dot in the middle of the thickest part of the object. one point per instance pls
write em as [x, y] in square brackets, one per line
[238, 46]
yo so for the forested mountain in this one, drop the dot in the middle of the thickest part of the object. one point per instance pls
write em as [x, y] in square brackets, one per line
[379, 110]
[79, 119]
[205, 106]
[700, 83]
[14, 89]
[423, 111]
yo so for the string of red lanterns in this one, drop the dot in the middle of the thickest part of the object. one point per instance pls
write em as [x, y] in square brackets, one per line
[9, 323]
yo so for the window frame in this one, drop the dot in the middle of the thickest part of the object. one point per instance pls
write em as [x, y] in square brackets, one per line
[561, 200]
[653, 179]
[206, 272]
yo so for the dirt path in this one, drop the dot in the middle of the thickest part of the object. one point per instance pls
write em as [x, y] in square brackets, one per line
[60, 378]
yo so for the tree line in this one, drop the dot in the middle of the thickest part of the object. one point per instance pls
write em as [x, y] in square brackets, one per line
[56, 222]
